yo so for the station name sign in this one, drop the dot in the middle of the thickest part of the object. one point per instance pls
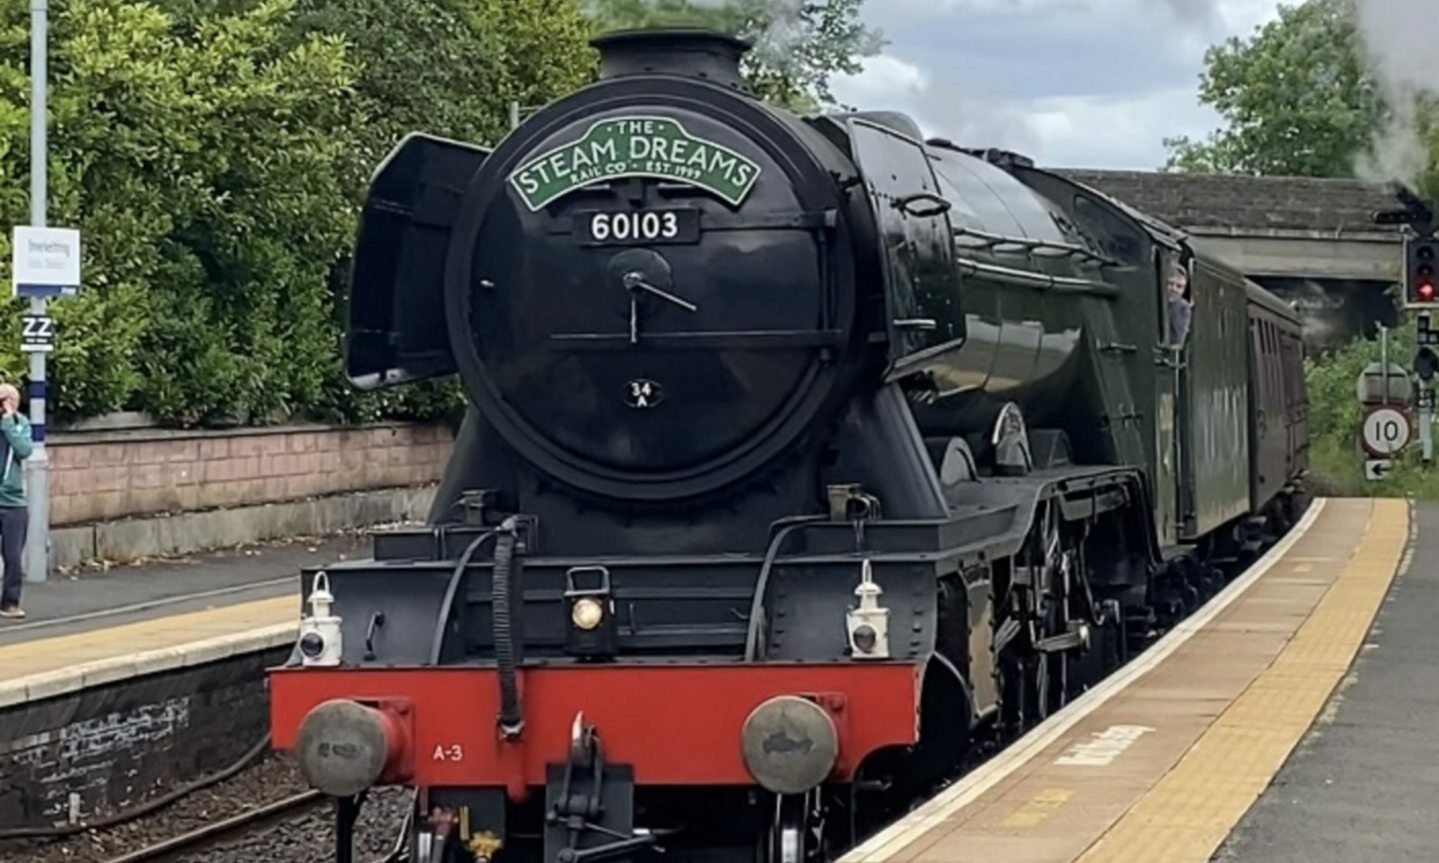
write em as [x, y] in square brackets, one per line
[45, 262]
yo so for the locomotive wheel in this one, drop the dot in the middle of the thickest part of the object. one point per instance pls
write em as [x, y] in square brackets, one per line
[1061, 597]
[1051, 601]
[796, 830]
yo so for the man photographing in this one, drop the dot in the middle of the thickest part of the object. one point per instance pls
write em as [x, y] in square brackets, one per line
[15, 446]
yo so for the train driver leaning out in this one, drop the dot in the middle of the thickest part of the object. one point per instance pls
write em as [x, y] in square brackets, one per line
[1181, 307]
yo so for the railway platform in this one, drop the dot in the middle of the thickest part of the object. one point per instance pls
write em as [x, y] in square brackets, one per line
[120, 686]
[150, 617]
[1249, 733]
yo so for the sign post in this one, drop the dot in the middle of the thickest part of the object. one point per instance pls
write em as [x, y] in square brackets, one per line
[1387, 427]
[1386, 431]
[47, 262]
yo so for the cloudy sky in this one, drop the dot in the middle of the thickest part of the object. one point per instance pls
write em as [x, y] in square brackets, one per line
[1072, 83]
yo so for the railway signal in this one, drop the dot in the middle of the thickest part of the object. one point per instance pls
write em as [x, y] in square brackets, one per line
[1426, 367]
[1421, 290]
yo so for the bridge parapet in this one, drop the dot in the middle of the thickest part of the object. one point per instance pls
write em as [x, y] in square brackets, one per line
[1331, 206]
[1312, 241]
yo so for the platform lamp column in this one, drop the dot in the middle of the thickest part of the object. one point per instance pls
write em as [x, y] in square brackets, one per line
[37, 466]
[46, 264]
[518, 113]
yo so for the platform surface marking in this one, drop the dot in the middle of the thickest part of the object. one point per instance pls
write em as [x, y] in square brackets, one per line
[52, 666]
[1195, 806]
[1361, 785]
[1166, 755]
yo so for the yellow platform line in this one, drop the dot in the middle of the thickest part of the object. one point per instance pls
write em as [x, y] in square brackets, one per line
[1193, 809]
[47, 666]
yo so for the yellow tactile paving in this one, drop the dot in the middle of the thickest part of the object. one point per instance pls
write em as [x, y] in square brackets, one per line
[46, 655]
[1193, 808]
[1203, 722]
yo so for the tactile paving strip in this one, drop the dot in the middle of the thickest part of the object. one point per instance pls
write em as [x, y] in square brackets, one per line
[1192, 809]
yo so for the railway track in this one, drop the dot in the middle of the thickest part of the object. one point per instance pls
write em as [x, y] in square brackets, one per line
[285, 830]
[178, 846]
[222, 832]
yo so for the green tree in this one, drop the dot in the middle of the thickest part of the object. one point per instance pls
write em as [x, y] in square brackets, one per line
[197, 171]
[214, 153]
[1296, 98]
[449, 68]
[799, 46]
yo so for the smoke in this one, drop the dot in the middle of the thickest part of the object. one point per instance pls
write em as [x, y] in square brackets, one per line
[1398, 36]
[776, 27]
[783, 26]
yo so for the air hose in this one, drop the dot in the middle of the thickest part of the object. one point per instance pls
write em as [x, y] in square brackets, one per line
[452, 590]
[761, 587]
[506, 577]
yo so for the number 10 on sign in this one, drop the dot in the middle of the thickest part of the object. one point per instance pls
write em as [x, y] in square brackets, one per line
[1386, 431]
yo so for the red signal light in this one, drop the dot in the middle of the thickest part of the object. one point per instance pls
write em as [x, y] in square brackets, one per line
[1426, 292]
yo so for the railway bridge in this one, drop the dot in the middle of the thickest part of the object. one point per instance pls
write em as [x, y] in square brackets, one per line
[1311, 241]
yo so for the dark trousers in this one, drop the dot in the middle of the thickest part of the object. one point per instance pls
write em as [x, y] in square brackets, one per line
[14, 523]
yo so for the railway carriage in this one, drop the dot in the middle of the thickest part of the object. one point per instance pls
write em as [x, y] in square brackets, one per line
[806, 458]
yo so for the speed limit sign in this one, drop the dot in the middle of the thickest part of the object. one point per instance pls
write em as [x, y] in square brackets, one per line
[1386, 431]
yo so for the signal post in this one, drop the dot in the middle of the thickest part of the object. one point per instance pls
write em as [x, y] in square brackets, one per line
[1421, 295]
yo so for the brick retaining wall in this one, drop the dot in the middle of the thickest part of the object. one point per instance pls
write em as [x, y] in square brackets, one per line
[121, 744]
[109, 475]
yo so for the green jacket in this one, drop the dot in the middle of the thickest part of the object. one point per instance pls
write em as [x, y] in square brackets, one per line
[17, 446]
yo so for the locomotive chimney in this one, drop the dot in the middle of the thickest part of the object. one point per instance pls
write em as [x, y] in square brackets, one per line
[691, 52]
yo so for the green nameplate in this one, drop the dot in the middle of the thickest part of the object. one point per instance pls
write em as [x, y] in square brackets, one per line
[635, 147]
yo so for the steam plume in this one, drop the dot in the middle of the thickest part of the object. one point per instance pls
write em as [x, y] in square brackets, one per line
[773, 45]
[1398, 36]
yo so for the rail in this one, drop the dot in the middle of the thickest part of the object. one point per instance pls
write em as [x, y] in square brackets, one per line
[177, 846]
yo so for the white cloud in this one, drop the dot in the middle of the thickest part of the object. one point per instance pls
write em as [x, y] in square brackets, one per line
[891, 83]
[1124, 132]
[883, 77]
[934, 8]
[1091, 83]
[1240, 17]
[1068, 131]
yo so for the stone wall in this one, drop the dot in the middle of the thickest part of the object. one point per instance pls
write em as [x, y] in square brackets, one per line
[108, 748]
[1244, 204]
[101, 476]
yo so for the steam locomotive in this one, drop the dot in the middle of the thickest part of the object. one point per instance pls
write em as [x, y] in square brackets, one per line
[804, 456]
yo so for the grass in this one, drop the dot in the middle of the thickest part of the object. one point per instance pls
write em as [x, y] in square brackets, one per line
[1336, 460]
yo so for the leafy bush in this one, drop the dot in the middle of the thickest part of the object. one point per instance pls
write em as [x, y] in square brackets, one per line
[214, 154]
[1336, 456]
